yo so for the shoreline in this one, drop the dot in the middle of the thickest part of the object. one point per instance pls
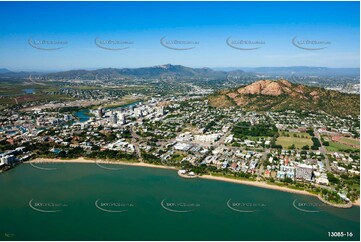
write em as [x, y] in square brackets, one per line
[258, 184]
[279, 188]
[88, 161]
[187, 176]
[208, 177]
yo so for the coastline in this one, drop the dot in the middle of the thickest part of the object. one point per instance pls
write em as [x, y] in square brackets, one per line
[186, 176]
[258, 184]
[279, 188]
[209, 177]
[88, 161]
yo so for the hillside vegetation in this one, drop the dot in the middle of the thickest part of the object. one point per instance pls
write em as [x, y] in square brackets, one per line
[267, 95]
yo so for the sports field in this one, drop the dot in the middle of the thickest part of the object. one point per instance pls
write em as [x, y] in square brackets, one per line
[350, 141]
[336, 146]
[287, 139]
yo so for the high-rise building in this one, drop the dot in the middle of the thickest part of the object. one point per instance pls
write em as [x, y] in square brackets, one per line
[67, 117]
[304, 172]
[160, 110]
[138, 112]
[121, 119]
[99, 113]
[113, 118]
[7, 159]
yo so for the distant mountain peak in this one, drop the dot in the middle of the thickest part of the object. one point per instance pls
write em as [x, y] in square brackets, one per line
[177, 71]
[166, 66]
[4, 70]
[268, 87]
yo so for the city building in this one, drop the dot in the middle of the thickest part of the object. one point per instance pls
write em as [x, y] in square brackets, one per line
[304, 172]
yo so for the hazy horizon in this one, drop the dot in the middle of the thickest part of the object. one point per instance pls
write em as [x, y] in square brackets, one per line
[228, 68]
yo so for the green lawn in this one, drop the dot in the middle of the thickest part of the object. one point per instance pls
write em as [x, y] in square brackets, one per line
[350, 141]
[257, 138]
[178, 156]
[298, 141]
[298, 134]
[335, 146]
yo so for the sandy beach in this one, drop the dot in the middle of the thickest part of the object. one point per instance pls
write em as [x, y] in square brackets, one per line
[209, 177]
[269, 186]
[257, 184]
[83, 160]
[273, 187]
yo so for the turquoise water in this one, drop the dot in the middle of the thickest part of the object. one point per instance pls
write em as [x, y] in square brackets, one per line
[136, 193]
[29, 91]
[83, 115]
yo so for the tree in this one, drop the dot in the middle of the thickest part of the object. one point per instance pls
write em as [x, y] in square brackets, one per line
[292, 147]
[287, 180]
[331, 177]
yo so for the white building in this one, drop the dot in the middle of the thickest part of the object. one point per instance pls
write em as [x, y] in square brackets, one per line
[184, 137]
[7, 159]
[304, 172]
[138, 112]
[286, 171]
[113, 118]
[160, 111]
[121, 118]
[99, 113]
[209, 138]
[322, 181]
[182, 146]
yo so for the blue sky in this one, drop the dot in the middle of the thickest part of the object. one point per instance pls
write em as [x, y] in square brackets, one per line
[207, 23]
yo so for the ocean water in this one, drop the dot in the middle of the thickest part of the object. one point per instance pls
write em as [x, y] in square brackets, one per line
[89, 202]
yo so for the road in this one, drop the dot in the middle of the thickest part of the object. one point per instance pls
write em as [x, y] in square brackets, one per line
[136, 137]
[323, 150]
[264, 158]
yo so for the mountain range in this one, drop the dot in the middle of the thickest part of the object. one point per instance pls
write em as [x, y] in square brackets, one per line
[304, 71]
[169, 71]
[4, 70]
[161, 71]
